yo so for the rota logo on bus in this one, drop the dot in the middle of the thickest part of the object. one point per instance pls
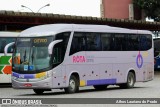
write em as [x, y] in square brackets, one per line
[79, 59]
[139, 60]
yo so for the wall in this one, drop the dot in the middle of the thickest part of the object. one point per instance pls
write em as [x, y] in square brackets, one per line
[117, 9]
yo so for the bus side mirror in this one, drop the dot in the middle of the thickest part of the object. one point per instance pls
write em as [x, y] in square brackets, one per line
[6, 48]
[51, 45]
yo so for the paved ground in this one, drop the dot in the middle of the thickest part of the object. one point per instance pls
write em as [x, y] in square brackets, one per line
[149, 89]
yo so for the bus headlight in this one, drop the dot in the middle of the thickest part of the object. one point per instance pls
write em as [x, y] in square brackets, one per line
[43, 75]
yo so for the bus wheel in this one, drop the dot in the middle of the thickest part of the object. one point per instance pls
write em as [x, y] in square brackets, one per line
[73, 85]
[130, 81]
[100, 87]
[38, 91]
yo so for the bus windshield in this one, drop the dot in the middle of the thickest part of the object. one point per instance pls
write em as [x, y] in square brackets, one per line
[31, 54]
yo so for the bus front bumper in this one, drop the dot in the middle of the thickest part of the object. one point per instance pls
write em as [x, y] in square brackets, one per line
[41, 84]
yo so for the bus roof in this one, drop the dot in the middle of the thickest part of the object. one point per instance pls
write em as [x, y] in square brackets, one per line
[8, 34]
[51, 29]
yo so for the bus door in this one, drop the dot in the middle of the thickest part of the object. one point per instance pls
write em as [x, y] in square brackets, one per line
[58, 67]
[59, 50]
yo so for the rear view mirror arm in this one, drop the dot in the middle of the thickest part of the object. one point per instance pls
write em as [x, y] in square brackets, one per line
[6, 48]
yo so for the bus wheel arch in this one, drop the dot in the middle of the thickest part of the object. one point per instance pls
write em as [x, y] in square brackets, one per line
[38, 91]
[130, 80]
[100, 87]
[73, 83]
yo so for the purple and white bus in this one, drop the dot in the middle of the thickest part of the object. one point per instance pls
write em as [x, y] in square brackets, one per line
[67, 56]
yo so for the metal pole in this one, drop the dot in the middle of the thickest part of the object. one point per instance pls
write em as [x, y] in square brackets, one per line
[43, 7]
[27, 8]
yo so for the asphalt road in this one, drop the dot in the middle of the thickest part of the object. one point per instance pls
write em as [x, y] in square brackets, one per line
[149, 89]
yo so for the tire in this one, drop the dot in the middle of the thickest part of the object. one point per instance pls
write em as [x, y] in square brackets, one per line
[38, 91]
[100, 87]
[73, 85]
[130, 81]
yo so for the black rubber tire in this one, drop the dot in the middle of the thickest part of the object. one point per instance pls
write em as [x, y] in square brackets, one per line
[130, 81]
[38, 91]
[100, 87]
[73, 85]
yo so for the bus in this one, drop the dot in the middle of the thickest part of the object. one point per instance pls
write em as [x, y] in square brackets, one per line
[69, 56]
[6, 61]
[156, 53]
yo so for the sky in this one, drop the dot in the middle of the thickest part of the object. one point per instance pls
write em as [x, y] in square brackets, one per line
[67, 7]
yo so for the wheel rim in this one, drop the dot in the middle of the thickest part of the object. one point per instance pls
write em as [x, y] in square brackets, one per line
[130, 80]
[72, 84]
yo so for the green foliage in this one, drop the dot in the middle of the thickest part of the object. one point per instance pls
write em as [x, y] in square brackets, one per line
[150, 7]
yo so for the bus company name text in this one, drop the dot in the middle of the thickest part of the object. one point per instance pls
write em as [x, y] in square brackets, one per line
[82, 59]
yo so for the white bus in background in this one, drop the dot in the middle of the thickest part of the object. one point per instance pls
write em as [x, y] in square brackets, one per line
[6, 61]
[72, 55]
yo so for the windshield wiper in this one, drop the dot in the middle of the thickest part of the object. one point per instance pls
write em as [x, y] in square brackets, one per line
[24, 56]
[32, 55]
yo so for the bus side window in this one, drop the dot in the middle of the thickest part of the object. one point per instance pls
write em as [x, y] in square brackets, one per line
[4, 42]
[2, 45]
[93, 42]
[106, 42]
[57, 56]
[145, 42]
[119, 42]
[78, 43]
[133, 42]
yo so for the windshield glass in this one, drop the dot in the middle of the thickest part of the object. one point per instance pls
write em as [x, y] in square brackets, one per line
[31, 54]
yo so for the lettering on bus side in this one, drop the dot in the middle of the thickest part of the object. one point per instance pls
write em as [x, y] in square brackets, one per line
[40, 40]
[79, 59]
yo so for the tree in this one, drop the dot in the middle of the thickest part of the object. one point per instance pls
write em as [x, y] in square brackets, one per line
[150, 7]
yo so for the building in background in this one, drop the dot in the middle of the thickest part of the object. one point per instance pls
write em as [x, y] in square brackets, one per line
[120, 9]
